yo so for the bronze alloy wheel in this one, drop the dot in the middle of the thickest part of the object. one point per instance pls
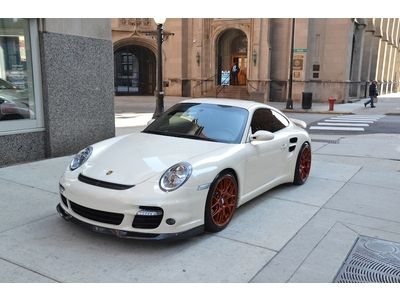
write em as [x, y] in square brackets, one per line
[303, 164]
[221, 202]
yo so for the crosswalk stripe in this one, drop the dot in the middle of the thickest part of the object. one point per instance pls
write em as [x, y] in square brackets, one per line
[345, 120]
[358, 117]
[349, 121]
[336, 128]
[344, 124]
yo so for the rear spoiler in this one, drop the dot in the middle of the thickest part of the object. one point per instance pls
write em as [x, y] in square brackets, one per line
[299, 123]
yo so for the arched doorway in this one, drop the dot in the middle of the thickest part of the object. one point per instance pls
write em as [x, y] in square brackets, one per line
[134, 70]
[232, 48]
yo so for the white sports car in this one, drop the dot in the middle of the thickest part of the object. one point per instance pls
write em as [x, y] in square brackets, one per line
[187, 171]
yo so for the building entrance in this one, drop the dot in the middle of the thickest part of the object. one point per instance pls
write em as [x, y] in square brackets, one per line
[134, 71]
[232, 48]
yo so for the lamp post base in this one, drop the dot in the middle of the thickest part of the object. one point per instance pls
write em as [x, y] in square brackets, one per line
[159, 105]
[289, 104]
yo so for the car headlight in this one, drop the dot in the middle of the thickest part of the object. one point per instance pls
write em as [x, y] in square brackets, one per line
[175, 176]
[80, 158]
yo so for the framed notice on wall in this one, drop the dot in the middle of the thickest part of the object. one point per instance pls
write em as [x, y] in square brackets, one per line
[298, 65]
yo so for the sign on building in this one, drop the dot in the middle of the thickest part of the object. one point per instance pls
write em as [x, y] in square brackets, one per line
[225, 77]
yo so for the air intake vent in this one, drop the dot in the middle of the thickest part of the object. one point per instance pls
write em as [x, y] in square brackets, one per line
[148, 217]
[104, 184]
[371, 260]
[97, 215]
[64, 200]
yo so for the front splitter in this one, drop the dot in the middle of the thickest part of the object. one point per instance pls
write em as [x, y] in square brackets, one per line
[132, 234]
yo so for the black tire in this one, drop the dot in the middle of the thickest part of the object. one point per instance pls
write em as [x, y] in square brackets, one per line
[303, 165]
[221, 202]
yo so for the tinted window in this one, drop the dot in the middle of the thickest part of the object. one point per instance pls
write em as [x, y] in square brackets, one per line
[269, 120]
[220, 123]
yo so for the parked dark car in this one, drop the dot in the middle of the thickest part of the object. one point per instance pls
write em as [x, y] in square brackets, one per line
[14, 103]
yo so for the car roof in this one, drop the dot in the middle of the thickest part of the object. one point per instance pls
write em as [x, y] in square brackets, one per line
[247, 104]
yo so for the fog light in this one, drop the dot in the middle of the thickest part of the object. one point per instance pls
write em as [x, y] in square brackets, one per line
[62, 189]
[170, 221]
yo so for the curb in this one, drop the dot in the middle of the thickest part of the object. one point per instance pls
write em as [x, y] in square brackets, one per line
[317, 111]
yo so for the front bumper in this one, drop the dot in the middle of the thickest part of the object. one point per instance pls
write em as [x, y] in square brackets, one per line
[117, 211]
[131, 234]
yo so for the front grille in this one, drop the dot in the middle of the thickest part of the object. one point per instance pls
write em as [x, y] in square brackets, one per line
[97, 215]
[150, 221]
[64, 200]
[104, 184]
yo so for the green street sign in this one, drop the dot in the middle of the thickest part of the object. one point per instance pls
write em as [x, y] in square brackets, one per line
[300, 50]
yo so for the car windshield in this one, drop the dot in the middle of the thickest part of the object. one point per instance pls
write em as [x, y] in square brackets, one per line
[204, 121]
[4, 85]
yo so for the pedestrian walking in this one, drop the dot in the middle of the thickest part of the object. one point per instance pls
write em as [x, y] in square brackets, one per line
[373, 93]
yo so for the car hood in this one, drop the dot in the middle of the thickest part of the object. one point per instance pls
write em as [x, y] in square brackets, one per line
[138, 157]
[13, 95]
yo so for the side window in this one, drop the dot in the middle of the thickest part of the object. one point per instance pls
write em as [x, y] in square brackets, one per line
[280, 121]
[266, 119]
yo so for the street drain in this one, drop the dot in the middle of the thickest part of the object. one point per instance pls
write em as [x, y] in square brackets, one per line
[371, 260]
[325, 141]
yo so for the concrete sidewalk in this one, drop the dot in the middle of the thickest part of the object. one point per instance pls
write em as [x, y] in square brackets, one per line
[289, 234]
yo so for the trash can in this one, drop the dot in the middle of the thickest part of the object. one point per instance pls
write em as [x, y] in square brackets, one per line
[306, 100]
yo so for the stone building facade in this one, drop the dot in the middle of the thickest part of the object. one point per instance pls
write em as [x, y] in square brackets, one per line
[332, 57]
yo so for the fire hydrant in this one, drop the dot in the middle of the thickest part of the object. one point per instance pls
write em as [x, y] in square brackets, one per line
[331, 103]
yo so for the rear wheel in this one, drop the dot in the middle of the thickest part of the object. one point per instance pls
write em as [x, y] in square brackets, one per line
[221, 202]
[303, 165]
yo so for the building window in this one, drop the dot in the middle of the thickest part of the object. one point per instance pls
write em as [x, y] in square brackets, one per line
[20, 100]
[315, 68]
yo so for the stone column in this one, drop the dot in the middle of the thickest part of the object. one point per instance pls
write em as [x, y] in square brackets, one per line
[367, 57]
[78, 83]
[280, 56]
[357, 55]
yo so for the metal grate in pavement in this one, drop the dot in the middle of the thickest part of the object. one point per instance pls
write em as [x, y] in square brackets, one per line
[371, 260]
[325, 141]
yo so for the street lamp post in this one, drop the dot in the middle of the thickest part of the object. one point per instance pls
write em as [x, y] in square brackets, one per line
[159, 91]
[289, 103]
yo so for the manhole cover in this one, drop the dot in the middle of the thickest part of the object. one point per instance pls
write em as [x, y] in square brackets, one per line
[371, 260]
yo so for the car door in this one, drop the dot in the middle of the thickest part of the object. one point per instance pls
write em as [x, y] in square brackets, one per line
[266, 161]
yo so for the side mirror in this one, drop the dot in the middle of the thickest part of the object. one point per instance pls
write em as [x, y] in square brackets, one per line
[262, 135]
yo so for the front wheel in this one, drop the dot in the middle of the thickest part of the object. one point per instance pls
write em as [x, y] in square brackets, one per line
[303, 165]
[221, 202]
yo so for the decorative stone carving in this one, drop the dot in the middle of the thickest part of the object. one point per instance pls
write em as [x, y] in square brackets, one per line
[135, 23]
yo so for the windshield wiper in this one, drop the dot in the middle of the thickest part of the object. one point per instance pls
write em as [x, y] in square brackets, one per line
[193, 137]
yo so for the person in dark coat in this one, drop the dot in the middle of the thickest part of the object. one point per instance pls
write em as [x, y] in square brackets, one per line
[373, 93]
[235, 72]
